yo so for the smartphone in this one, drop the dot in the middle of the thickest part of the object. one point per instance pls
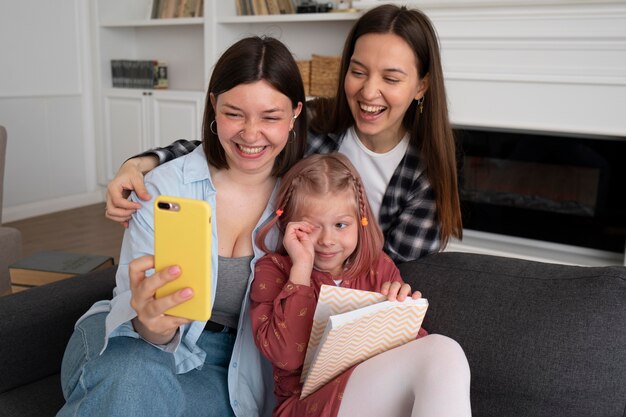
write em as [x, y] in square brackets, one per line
[182, 236]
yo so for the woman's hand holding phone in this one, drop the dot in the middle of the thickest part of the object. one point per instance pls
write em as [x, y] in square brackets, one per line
[151, 322]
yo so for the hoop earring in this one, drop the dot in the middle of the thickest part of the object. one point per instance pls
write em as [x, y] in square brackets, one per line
[212, 127]
[420, 103]
[292, 138]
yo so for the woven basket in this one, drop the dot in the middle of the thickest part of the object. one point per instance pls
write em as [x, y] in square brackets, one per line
[324, 75]
[305, 73]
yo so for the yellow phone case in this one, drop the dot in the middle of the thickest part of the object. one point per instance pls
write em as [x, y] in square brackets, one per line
[182, 236]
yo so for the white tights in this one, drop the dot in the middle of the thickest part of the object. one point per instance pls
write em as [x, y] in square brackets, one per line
[428, 377]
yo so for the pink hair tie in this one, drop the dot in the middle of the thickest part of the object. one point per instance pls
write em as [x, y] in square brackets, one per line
[279, 212]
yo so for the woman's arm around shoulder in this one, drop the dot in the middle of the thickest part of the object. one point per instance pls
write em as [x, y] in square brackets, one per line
[130, 178]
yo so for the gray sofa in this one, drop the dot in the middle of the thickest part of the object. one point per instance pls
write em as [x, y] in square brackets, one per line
[542, 340]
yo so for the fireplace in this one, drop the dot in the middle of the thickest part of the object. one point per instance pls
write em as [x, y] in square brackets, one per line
[565, 189]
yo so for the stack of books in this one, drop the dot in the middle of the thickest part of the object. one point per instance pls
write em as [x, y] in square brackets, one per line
[171, 9]
[50, 266]
[128, 73]
[262, 7]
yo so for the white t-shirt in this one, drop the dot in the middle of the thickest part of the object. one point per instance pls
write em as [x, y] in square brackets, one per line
[376, 169]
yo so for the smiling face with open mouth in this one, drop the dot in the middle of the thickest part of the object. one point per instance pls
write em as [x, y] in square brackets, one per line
[253, 122]
[381, 83]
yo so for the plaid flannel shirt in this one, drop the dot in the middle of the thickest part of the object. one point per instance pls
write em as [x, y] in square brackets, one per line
[408, 215]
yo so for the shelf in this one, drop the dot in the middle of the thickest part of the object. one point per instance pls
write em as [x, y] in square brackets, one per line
[118, 90]
[289, 18]
[183, 21]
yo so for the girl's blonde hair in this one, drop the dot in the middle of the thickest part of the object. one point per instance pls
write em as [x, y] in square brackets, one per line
[320, 175]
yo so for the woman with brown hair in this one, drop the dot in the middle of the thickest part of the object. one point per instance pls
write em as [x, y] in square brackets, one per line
[128, 356]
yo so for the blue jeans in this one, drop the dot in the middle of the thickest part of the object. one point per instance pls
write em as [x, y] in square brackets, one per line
[133, 378]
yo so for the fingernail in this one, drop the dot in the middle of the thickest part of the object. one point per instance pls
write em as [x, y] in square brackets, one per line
[174, 270]
[186, 293]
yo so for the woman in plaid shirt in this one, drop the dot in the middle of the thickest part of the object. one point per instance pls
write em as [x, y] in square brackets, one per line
[389, 117]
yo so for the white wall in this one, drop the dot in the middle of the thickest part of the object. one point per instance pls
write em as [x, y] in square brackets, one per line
[46, 107]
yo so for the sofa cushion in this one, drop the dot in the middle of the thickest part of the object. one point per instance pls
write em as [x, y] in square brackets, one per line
[541, 339]
[37, 323]
[41, 398]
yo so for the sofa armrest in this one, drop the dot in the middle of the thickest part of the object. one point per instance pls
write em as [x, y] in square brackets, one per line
[37, 323]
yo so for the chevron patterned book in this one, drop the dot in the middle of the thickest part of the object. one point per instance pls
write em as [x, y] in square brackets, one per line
[351, 326]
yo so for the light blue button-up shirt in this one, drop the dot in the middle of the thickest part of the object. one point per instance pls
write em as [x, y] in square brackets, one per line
[250, 380]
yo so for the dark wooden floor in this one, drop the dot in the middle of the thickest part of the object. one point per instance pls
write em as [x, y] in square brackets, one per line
[79, 230]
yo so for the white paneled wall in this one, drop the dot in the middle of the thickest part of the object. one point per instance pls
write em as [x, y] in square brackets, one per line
[559, 67]
[45, 105]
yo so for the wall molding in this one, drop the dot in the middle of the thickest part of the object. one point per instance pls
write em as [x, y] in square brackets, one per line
[478, 74]
[535, 250]
[41, 207]
[57, 94]
[575, 21]
[562, 61]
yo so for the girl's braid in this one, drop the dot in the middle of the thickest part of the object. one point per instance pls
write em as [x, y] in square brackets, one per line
[360, 196]
[289, 192]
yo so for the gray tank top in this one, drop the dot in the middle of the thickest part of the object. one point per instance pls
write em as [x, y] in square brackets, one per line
[231, 288]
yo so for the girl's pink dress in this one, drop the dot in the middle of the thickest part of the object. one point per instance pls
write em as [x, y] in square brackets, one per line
[282, 317]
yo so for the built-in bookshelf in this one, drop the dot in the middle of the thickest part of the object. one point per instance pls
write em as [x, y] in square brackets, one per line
[134, 116]
[130, 29]
[304, 34]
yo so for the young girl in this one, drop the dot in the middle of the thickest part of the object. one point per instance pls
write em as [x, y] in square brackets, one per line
[329, 237]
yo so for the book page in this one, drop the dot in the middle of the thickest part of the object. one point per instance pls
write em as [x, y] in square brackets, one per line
[338, 320]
